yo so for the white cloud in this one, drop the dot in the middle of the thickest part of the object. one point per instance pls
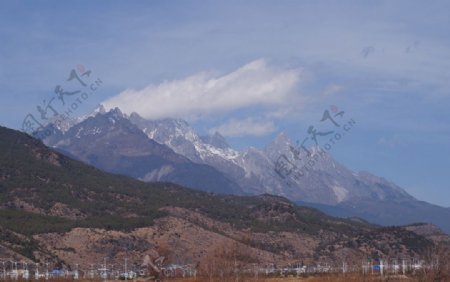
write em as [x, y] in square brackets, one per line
[244, 127]
[256, 83]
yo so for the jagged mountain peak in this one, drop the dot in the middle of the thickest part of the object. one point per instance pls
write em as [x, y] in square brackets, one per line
[135, 116]
[170, 126]
[115, 113]
[177, 122]
[111, 117]
[65, 123]
[216, 140]
[282, 140]
[182, 138]
[100, 109]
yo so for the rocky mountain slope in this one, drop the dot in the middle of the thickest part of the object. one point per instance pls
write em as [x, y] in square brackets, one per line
[53, 208]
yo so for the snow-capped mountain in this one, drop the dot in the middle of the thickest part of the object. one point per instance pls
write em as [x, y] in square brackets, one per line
[112, 143]
[209, 150]
[327, 184]
[317, 180]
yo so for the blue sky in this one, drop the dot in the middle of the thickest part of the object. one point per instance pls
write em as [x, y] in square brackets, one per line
[252, 69]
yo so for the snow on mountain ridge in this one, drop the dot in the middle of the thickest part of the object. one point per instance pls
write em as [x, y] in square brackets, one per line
[325, 181]
[180, 137]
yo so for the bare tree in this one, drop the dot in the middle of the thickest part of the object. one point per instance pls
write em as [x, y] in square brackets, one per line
[228, 262]
[436, 263]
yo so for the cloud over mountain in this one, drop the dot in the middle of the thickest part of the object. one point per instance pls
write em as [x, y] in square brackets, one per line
[254, 84]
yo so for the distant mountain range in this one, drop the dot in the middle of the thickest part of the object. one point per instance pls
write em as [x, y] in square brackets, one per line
[171, 150]
[59, 210]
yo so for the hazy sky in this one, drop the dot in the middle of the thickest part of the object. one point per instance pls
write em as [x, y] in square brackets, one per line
[250, 70]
